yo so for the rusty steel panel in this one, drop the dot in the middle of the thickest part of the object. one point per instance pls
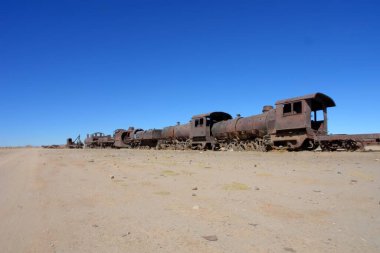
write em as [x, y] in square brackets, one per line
[106, 140]
[118, 136]
[245, 128]
[217, 116]
[77, 143]
[225, 129]
[182, 132]
[298, 123]
[152, 134]
[318, 97]
[202, 132]
[99, 139]
[356, 137]
[139, 135]
[167, 132]
[250, 127]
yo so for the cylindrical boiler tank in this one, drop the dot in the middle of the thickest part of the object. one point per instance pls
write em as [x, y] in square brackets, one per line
[178, 132]
[182, 132]
[242, 128]
[225, 129]
[252, 126]
[152, 134]
[167, 133]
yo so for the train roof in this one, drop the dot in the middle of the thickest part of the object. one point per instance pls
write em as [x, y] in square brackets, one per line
[215, 115]
[98, 134]
[318, 97]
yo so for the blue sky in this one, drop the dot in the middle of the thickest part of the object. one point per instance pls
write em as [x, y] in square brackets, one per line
[75, 67]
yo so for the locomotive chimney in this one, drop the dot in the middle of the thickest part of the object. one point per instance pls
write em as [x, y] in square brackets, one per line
[267, 108]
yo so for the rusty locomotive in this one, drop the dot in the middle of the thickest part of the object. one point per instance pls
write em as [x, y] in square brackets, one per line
[298, 123]
[99, 140]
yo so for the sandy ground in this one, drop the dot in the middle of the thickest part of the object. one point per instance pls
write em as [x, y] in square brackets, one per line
[168, 201]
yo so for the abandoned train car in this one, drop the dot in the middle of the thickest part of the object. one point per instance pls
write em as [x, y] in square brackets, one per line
[298, 123]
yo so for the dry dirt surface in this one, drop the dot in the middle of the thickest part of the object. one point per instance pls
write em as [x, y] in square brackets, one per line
[188, 201]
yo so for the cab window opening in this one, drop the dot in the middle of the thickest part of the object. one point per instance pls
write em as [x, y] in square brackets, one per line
[297, 107]
[287, 108]
[208, 121]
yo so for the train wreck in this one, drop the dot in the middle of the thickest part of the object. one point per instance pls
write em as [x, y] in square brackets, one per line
[299, 123]
[70, 143]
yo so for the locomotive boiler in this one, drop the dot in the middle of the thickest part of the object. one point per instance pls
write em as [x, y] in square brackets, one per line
[247, 133]
[175, 137]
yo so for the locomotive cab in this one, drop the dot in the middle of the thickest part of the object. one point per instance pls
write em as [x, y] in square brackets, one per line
[200, 129]
[301, 119]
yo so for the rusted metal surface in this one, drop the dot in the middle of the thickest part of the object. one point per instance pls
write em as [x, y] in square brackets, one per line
[267, 108]
[299, 123]
[175, 137]
[182, 132]
[119, 135]
[147, 138]
[77, 143]
[288, 126]
[200, 129]
[125, 138]
[151, 134]
[350, 142]
[294, 127]
[99, 140]
[70, 143]
[244, 133]
[167, 133]
[245, 127]
[252, 127]
[225, 129]
[320, 100]
[178, 132]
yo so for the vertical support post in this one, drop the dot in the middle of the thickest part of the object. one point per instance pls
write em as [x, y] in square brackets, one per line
[325, 119]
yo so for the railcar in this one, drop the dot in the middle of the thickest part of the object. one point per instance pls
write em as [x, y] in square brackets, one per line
[298, 123]
[99, 140]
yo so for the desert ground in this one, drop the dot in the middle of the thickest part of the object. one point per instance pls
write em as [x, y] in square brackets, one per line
[188, 201]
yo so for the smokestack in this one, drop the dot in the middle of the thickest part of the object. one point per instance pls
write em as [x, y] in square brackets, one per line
[267, 108]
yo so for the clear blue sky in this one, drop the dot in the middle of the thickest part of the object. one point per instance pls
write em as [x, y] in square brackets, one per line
[75, 67]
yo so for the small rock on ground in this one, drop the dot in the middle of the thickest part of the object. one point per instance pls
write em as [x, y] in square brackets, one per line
[211, 238]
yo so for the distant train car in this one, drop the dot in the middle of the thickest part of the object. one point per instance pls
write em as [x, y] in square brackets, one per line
[98, 140]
